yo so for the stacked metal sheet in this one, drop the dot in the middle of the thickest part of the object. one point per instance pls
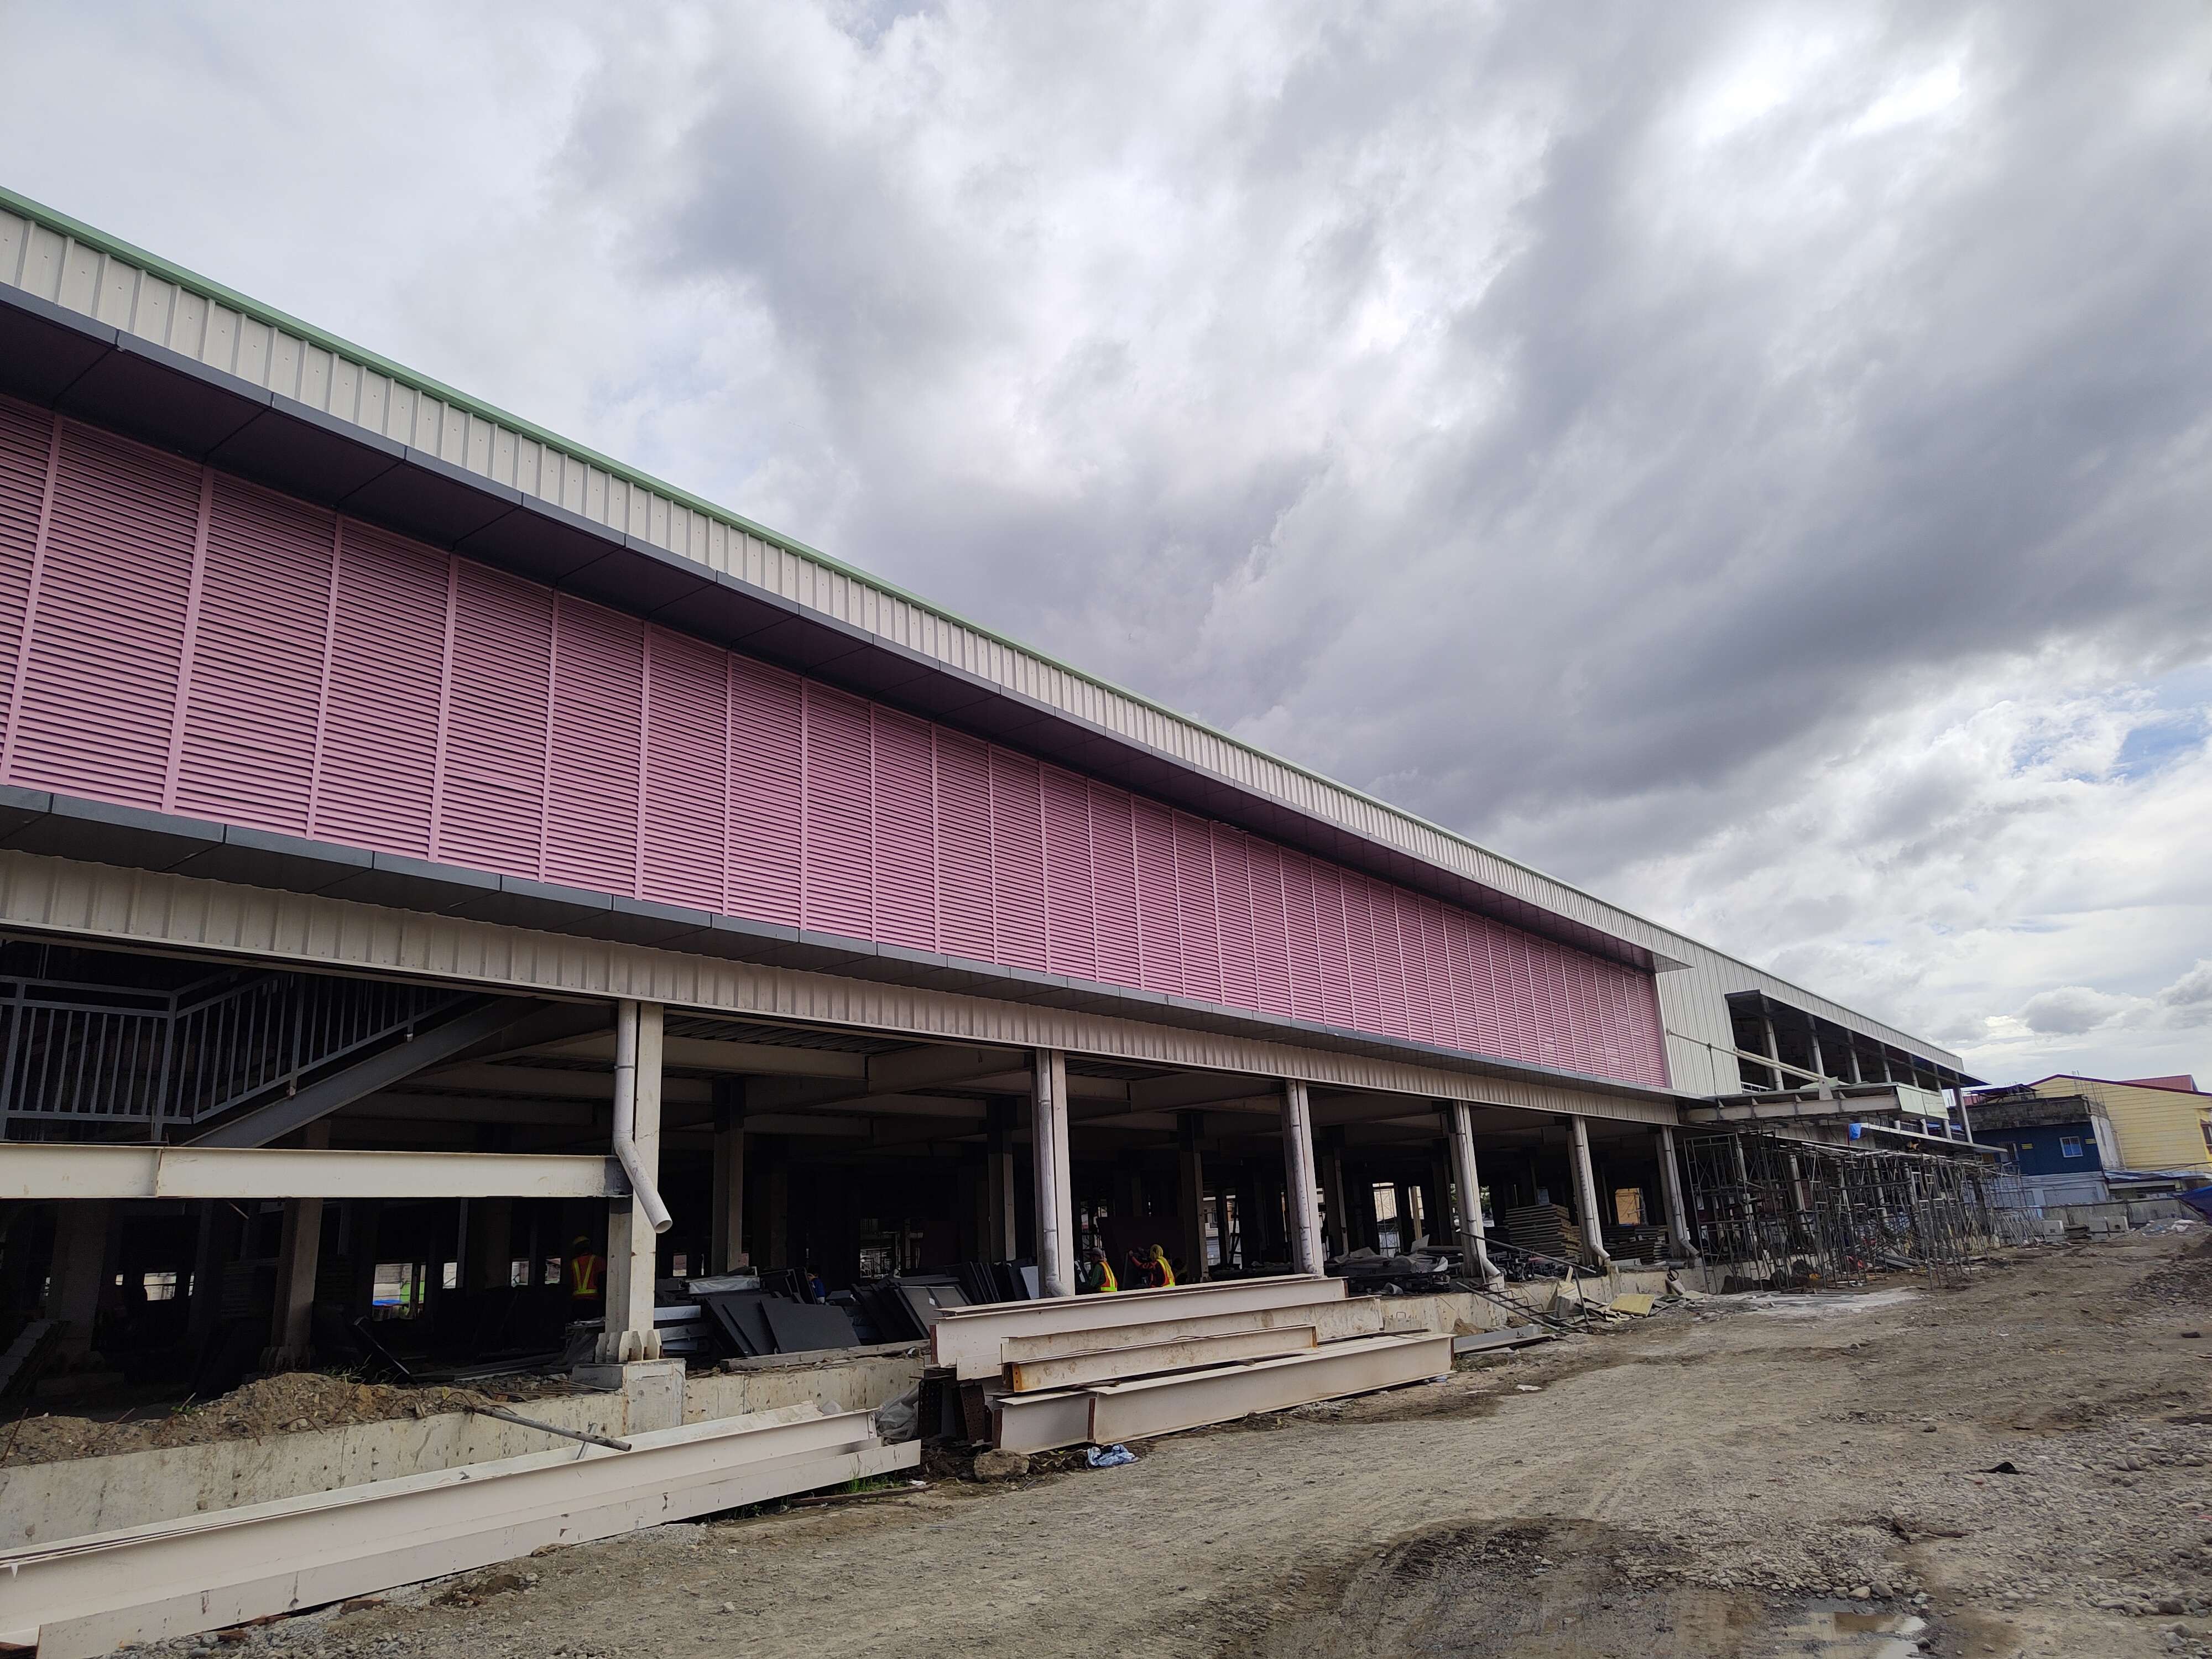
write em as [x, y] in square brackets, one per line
[1102, 1369]
[1546, 1228]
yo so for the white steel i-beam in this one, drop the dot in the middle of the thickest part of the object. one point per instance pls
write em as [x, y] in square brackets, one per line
[62, 1169]
[973, 1340]
[1594, 1251]
[1055, 1207]
[1468, 1179]
[79, 1597]
[1300, 1199]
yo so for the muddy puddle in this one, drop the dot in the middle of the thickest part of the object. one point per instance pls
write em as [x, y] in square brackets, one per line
[1537, 1590]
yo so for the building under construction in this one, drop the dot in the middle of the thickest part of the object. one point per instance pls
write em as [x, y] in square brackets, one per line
[383, 773]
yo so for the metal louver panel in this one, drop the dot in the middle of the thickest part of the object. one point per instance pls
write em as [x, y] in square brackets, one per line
[1270, 932]
[967, 919]
[906, 831]
[1197, 913]
[1159, 920]
[1072, 923]
[380, 732]
[247, 750]
[492, 813]
[764, 806]
[1232, 898]
[595, 782]
[106, 627]
[26, 442]
[840, 834]
[198, 644]
[1017, 859]
[1114, 886]
[686, 781]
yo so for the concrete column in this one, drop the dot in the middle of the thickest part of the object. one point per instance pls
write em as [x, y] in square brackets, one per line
[1467, 1180]
[729, 1195]
[1190, 1208]
[1301, 1206]
[633, 1248]
[1054, 1190]
[1593, 1216]
[998, 1156]
[80, 1259]
[1670, 1191]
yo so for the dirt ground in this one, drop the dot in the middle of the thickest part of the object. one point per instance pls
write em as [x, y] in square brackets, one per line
[1757, 1476]
[275, 1405]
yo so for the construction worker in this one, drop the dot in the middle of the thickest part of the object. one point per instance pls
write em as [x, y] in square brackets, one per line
[1096, 1276]
[586, 1268]
[1162, 1271]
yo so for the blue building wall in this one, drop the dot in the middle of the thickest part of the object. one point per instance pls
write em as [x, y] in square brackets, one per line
[2042, 1150]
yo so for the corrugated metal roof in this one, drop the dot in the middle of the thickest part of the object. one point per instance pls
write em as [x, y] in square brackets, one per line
[71, 264]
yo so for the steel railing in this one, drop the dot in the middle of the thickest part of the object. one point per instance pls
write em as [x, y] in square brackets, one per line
[75, 1052]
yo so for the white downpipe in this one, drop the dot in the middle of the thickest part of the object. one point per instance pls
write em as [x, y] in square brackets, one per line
[643, 1194]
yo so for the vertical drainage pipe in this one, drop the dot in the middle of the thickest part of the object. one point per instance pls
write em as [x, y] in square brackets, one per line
[643, 1192]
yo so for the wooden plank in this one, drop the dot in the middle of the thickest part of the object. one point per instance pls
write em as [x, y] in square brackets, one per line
[1150, 1358]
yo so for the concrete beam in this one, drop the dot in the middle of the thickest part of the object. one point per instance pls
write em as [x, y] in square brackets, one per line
[58, 1169]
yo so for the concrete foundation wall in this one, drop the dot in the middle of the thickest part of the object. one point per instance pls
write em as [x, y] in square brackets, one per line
[41, 1503]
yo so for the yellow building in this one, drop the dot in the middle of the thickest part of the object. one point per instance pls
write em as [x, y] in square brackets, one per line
[2155, 1122]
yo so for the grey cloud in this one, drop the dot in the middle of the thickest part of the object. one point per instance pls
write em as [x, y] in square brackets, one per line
[1687, 452]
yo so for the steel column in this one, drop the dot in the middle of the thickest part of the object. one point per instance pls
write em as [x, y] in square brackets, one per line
[1191, 1195]
[1468, 1181]
[1586, 1182]
[1301, 1205]
[1055, 1207]
[1670, 1188]
[729, 1217]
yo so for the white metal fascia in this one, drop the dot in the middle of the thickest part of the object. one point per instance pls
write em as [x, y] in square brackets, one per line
[68, 1169]
[65, 898]
[81, 1597]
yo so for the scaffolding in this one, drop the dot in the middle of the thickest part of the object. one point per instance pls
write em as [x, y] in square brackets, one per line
[1780, 1213]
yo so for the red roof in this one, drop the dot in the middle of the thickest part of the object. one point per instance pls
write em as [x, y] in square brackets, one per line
[2186, 1085]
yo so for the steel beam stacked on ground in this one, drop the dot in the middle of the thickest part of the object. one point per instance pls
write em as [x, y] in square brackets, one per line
[85, 1596]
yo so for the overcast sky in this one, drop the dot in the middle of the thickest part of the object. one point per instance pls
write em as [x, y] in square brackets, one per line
[1752, 462]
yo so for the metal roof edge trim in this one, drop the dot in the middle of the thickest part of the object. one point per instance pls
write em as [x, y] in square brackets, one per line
[168, 271]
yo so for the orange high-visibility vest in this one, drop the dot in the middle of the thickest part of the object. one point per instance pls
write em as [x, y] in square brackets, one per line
[584, 1274]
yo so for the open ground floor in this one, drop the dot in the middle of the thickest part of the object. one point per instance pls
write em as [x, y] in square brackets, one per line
[2023, 1464]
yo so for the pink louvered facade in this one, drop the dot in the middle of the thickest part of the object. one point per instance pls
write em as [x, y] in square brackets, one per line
[172, 638]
